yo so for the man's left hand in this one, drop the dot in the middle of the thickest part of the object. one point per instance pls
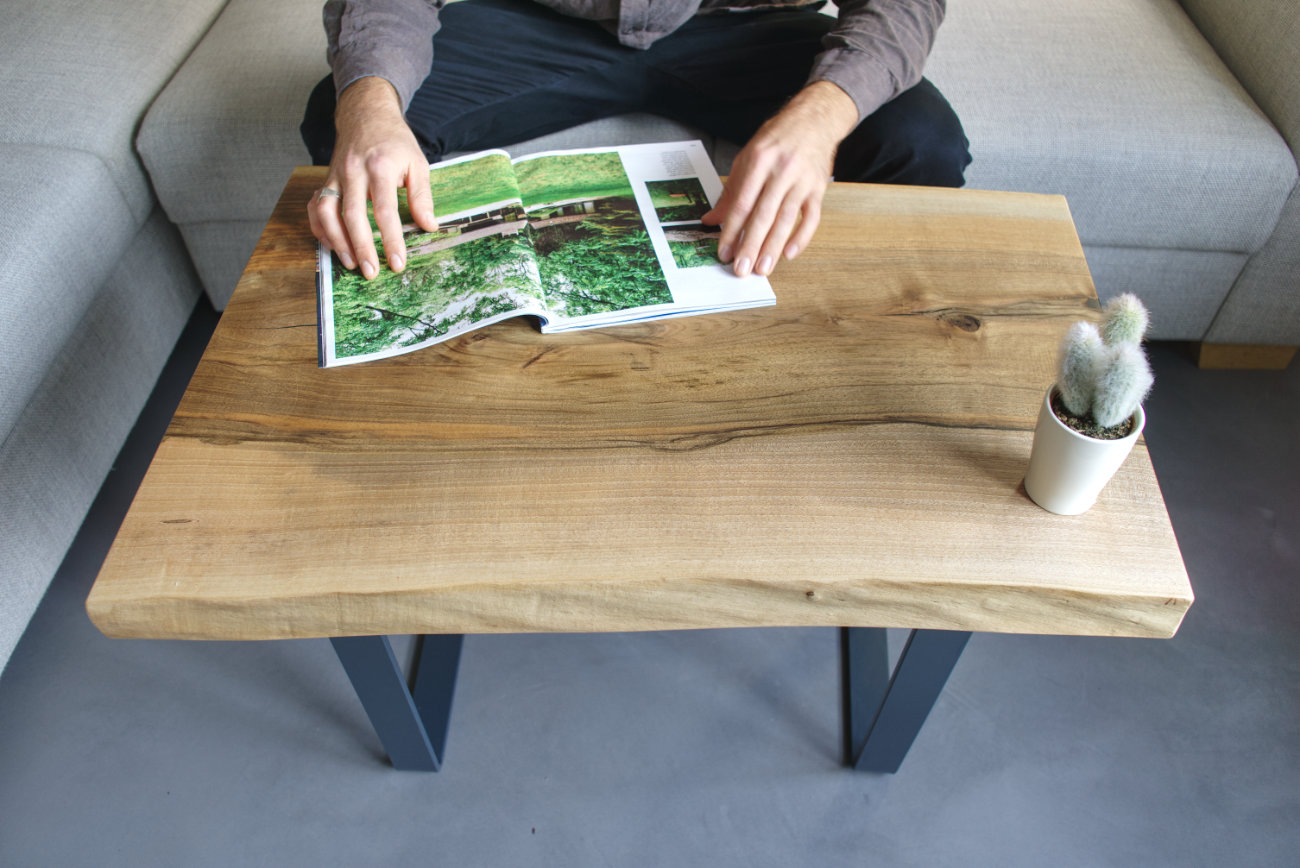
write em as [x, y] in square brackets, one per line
[771, 204]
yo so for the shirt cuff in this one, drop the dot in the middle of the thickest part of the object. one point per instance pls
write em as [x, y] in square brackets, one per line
[390, 39]
[405, 80]
[867, 81]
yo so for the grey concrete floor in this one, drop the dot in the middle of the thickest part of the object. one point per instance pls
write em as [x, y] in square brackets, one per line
[712, 748]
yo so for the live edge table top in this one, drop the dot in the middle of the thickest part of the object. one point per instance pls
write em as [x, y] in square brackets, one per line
[852, 456]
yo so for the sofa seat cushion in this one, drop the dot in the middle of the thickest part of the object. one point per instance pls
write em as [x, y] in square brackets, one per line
[79, 73]
[630, 129]
[65, 223]
[221, 140]
[1123, 107]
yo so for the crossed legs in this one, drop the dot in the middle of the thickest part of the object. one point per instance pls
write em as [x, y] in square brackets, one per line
[509, 70]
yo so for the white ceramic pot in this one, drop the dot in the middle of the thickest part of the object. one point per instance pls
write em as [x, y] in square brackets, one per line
[1068, 470]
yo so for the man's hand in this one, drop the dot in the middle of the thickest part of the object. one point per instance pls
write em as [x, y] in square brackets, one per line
[374, 154]
[779, 178]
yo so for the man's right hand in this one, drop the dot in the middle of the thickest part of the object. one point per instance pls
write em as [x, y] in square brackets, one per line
[375, 153]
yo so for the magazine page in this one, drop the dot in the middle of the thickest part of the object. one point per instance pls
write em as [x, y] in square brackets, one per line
[477, 268]
[618, 236]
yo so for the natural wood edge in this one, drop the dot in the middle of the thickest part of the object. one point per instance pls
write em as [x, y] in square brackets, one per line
[646, 605]
[1243, 357]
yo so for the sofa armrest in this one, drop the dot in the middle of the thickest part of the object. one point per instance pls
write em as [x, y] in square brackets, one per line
[1259, 40]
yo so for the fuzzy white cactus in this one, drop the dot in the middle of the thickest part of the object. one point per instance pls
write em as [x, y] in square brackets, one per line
[1122, 386]
[1126, 321]
[1104, 372]
[1081, 352]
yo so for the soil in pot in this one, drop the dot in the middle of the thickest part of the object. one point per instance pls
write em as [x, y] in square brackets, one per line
[1086, 426]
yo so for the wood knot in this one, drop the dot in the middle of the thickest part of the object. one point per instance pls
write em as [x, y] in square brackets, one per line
[963, 321]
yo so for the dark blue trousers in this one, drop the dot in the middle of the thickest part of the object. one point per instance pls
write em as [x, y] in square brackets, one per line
[506, 71]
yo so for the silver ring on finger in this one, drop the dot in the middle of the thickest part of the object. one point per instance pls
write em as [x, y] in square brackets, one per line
[328, 191]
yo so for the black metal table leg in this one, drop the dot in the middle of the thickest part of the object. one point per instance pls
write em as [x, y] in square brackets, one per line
[883, 712]
[411, 721]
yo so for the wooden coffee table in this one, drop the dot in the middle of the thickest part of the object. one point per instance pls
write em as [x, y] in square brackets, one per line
[851, 457]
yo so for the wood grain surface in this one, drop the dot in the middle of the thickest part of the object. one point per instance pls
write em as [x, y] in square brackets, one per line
[851, 456]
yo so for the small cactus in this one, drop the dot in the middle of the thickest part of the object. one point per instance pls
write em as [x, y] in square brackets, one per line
[1126, 321]
[1080, 356]
[1104, 373]
[1124, 383]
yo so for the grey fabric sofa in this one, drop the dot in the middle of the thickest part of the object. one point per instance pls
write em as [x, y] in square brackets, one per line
[144, 144]
[1171, 129]
[95, 281]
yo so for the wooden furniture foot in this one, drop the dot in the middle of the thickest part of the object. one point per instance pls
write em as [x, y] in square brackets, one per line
[1243, 357]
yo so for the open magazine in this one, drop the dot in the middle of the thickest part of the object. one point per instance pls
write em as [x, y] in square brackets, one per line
[579, 239]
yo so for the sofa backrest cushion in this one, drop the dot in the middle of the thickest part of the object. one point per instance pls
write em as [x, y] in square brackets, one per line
[79, 74]
[1123, 107]
[1259, 40]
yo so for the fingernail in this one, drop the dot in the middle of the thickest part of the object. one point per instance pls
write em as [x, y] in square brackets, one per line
[348, 262]
[765, 265]
[395, 262]
[369, 269]
[742, 266]
[724, 252]
[792, 251]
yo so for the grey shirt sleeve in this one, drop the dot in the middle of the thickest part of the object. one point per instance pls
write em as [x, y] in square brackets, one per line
[392, 39]
[878, 48]
[875, 51]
